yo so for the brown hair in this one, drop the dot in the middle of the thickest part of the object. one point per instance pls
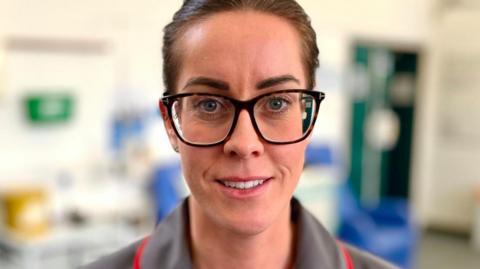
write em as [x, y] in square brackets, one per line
[195, 10]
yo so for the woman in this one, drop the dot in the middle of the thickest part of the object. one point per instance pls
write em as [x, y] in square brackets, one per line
[239, 108]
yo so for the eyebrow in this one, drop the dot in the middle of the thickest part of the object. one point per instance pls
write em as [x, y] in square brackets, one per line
[222, 85]
[209, 82]
[274, 81]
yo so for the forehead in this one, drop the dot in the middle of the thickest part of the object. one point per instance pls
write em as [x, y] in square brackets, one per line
[240, 47]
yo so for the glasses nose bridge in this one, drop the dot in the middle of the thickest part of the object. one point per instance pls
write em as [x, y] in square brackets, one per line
[241, 105]
[249, 107]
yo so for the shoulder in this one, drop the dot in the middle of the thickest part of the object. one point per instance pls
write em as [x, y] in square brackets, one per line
[166, 247]
[365, 260]
[316, 245]
[121, 259]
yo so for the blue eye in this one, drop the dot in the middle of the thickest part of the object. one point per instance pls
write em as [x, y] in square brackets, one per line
[276, 104]
[209, 105]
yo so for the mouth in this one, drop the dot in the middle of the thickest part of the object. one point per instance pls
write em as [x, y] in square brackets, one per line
[240, 188]
[243, 185]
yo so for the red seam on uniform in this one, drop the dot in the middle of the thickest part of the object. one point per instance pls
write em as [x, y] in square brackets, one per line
[347, 257]
[139, 253]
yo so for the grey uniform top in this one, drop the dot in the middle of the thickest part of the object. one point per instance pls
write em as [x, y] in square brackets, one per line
[168, 246]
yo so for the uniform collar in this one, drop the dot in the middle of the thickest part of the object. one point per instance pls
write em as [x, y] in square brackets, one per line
[316, 248]
[168, 247]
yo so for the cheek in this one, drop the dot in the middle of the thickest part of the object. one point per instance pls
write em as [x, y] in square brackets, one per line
[290, 159]
[194, 168]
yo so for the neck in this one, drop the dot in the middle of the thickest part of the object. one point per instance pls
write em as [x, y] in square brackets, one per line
[213, 246]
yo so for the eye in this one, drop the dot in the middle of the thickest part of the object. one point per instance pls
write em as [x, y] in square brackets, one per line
[276, 104]
[208, 105]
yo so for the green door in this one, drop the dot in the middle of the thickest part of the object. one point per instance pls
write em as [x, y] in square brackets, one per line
[383, 92]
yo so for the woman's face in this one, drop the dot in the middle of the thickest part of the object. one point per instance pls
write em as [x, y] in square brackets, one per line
[234, 53]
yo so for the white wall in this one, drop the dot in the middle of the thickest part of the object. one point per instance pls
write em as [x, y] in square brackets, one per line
[387, 20]
[448, 144]
[131, 31]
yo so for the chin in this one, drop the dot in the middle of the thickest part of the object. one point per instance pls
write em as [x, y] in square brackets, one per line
[248, 223]
[248, 227]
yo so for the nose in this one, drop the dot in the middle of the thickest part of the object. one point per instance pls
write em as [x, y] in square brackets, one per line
[244, 141]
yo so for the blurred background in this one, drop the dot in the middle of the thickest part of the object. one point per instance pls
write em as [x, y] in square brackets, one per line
[85, 165]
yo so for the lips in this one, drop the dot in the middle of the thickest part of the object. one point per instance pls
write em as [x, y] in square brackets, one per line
[243, 183]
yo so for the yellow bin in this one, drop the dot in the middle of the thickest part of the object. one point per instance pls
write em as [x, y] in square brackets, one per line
[25, 211]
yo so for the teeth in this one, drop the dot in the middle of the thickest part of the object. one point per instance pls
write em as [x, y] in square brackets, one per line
[244, 184]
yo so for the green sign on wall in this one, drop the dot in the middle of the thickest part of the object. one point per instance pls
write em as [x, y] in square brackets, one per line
[48, 107]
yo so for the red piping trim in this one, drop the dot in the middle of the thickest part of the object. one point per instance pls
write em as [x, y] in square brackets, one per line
[139, 253]
[347, 257]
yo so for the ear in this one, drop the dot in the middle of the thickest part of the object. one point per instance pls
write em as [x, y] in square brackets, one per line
[172, 137]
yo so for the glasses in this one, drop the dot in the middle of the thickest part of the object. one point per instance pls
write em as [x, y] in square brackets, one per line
[281, 117]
